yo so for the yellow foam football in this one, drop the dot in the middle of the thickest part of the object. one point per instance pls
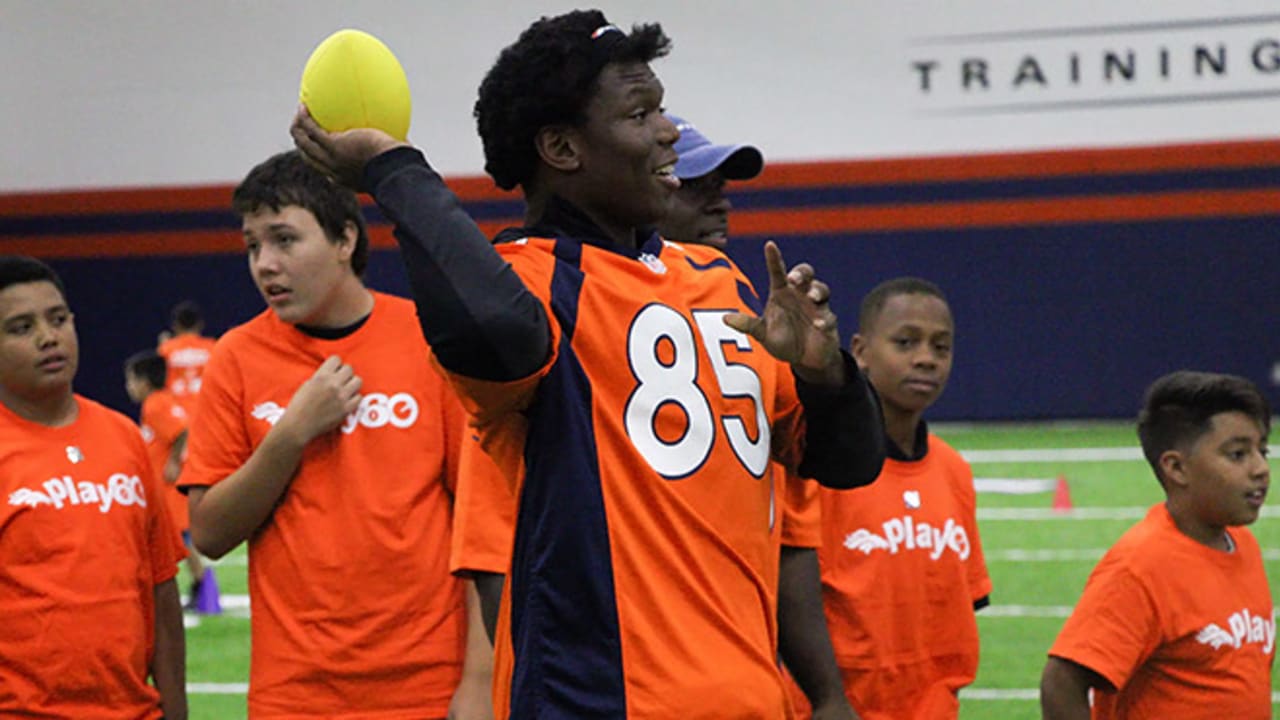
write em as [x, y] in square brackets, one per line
[352, 80]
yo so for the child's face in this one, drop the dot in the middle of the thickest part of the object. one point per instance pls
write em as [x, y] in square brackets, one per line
[907, 353]
[135, 386]
[39, 351]
[295, 265]
[1226, 470]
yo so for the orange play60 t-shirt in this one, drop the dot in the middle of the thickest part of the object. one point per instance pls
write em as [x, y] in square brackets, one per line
[1181, 630]
[186, 355]
[84, 540]
[355, 614]
[902, 567]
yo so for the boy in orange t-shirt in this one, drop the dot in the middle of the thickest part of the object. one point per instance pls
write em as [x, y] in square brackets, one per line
[902, 565]
[186, 351]
[326, 439]
[163, 421]
[1176, 620]
[87, 552]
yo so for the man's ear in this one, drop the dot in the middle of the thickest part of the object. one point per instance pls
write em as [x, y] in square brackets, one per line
[1173, 467]
[558, 147]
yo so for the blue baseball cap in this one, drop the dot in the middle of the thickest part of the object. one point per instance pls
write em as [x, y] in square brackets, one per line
[698, 156]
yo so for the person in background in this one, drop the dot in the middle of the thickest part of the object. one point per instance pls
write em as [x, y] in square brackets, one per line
[699, 214]
[328, 442]
[902, 566]
[163, 422]
[87, 552]
[185, 350]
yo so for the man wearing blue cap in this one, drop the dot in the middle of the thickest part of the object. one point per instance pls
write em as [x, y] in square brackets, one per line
[699, 214]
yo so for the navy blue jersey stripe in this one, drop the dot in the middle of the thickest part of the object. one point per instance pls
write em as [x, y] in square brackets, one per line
[564, 616]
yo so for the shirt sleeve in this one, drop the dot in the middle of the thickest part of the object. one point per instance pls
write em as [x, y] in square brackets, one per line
[164, 542]
[801, 510]
[218, 443]
[475, 313]
[1114, 628]
[484, 512]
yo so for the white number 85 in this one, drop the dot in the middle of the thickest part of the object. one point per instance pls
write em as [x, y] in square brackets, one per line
[673, 381]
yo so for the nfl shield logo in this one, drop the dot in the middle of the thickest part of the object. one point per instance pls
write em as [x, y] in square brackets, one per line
[911, 499]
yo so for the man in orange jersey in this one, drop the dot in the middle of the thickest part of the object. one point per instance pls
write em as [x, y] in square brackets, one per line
[636, 390]
[87, 552]
[902, 565]
[164, 429]
[1176, 620]
[699, 214]
[186, 351]
[328, 441]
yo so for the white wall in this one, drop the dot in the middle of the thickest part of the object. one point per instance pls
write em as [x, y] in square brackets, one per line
[137, 92]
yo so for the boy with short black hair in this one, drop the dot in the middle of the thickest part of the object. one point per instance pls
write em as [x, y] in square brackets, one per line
[634, 389]
[185, 350]
[88, 556]
[1177, 620]
[328, 442]
[902, 563]
[163, 421]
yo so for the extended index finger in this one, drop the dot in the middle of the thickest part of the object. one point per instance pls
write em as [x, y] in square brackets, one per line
[775, 265]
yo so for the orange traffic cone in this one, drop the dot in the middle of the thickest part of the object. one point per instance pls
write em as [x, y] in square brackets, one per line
[1062, 495]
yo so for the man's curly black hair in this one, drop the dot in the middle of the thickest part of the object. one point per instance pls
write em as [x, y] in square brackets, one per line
[546, 78]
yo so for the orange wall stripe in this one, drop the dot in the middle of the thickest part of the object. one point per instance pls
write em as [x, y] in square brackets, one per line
[1190, 157]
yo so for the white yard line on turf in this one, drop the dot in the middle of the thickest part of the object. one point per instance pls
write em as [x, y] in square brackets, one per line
[1069, 555]
[1080, 513]
[1108, 454]
[996, 694]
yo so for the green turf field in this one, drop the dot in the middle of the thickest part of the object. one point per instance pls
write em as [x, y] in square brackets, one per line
[1038, 561]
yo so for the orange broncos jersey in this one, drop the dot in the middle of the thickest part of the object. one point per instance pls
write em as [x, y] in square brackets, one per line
[640, 581]
[84, 539]
[163, 419]
[1182, 630]
[186, 355]
[355, 613]
[902, 566]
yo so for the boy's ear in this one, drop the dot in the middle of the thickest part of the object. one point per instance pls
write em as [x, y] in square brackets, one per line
[350, 234]
[1173, 468]
[858, 348]
[558, 147]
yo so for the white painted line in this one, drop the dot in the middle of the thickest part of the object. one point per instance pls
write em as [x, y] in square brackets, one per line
[1042, 555]
[1025, 611]
[207, 688]
[998, 694]
[1014, 486]
[1079, 513]
[1111, 454]
[1071, 555]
